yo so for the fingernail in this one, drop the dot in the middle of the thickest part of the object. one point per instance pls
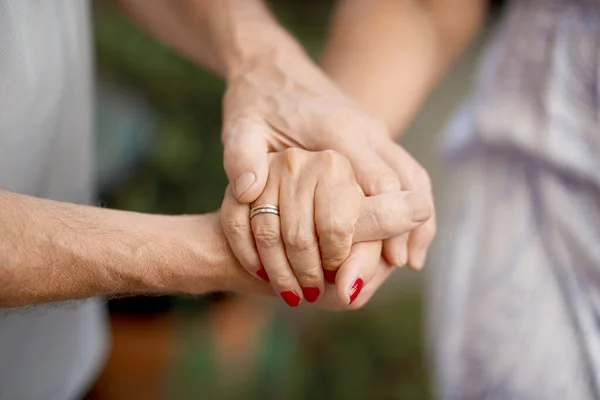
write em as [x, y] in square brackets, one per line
[243, 183]
[291, 298]
[330, 276]
[262, 274]
[355, 289]
[420, 210]
[311, 294]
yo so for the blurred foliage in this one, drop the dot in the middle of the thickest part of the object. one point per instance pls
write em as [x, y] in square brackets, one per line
[183, 173]
[375, 353]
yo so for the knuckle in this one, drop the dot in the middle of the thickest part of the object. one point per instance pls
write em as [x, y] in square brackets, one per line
[234, 227]
[339, 230]
[299, 241]
[294, 159]
[266, 236]
[333, 161]
[335, 167]
[283, 281]
[311, 277]
[384, 219]
[386, 182]
[333, 261]
[329, 156]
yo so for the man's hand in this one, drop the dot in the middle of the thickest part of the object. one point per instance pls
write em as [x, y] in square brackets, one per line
[278, 98]
[288, 102]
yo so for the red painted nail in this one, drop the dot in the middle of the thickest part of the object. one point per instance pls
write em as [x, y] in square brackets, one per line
[355, 290]
[330, 276]
[291, 298]
[311, 294]
[262, 274]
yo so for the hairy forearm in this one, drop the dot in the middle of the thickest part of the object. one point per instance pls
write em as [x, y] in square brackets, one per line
[223, 36]
[51, 251]
[388, 54]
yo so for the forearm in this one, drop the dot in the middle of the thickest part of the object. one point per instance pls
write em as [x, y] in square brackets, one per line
[388, 54]
[51, 251]
[223, 36]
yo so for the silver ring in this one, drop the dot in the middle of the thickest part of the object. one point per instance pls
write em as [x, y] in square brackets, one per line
[263, 209]
[265, 205]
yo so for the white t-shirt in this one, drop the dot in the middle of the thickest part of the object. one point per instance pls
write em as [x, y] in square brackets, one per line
[46, 150]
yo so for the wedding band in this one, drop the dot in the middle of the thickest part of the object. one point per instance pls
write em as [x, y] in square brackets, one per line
[263, 209]
[260, 206]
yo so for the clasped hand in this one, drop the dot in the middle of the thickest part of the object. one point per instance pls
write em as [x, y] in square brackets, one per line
[325, 245]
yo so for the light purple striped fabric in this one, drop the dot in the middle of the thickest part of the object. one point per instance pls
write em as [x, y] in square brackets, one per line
[515, 285]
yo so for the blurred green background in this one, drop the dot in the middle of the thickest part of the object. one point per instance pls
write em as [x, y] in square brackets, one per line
[169, 120]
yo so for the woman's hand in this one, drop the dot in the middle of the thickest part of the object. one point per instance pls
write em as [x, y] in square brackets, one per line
[319, 203]
[320, 206]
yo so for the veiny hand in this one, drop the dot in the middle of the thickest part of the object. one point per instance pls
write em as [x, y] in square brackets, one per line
[322, 213]
[291, 103]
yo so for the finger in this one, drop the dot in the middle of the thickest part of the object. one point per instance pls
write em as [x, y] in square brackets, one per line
[266, 229]
[330, 300]
[375, 176]
[296, 198]
[245, 158]
[422, 237]
[235, 222]
[357, 271]
[337, 208]
[419, 243]
[391, 214]
[416, 179]
[395, 250]
[384, 270]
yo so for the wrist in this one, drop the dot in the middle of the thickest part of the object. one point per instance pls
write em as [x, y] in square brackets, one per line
[245, 35]
[282, 52]
[189, 254]
[267, 51]
[222, 270]
[183, 254]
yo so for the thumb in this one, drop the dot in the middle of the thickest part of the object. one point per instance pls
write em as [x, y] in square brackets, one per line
[245, 159]
[391, 214]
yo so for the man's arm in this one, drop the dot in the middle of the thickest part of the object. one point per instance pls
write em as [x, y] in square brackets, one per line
[388, 54]
[223, 36]
[51, 251]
